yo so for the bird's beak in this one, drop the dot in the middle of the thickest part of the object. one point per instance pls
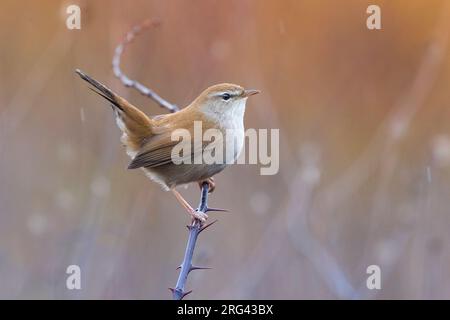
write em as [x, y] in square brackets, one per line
[250, 92]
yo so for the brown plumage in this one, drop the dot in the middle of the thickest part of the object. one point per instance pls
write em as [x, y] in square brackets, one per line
[149, 142]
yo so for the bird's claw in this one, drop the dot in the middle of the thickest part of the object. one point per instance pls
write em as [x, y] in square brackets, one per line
[210, 182]
[199, 216]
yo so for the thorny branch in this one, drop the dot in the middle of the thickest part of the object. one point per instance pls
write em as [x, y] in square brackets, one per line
[186, 266]
[127, 82]
[196, 226]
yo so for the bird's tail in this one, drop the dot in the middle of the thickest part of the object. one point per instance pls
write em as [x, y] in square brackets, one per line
[135, 125]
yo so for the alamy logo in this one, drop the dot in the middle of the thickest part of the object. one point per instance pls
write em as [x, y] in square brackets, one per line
[213, 146]
[73, 21]
[374, 280]
[373, 22]
[73, 281]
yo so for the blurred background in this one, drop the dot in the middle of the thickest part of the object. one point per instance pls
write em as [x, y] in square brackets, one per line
[364, 150]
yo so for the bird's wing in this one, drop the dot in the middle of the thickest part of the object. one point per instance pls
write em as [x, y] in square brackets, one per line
[158, 149]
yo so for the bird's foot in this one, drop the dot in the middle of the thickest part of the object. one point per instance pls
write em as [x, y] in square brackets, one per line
[210, 182]
[201, 216]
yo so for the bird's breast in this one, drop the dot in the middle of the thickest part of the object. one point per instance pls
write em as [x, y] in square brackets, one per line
[231, 124]
[233, 140]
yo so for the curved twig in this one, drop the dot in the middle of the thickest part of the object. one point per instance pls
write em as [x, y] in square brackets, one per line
[127, 82]
[186, 266]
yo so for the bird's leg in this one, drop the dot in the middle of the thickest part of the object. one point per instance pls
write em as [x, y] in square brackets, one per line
[210, 182]
[193, 213]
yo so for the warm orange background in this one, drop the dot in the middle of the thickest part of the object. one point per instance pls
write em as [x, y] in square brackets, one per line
[365, 150]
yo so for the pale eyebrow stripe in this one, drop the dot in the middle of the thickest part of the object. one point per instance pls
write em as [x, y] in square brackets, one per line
[233, 94]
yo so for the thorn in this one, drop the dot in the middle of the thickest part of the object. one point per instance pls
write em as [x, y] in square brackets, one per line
[207, 225]
[183, 294]
[179, 267]
[216, 209]
[198, 268]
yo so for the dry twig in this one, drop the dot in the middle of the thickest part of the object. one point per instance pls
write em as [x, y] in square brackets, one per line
[129, 37]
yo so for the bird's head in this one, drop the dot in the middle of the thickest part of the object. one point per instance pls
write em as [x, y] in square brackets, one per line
[224, 99]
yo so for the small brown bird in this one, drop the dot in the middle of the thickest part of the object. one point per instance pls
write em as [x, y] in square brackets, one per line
[149, 141]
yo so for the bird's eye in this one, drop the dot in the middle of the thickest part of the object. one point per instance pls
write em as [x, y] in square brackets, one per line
[226, 96]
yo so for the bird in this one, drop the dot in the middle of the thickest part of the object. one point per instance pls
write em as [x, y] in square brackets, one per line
[150, 144]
